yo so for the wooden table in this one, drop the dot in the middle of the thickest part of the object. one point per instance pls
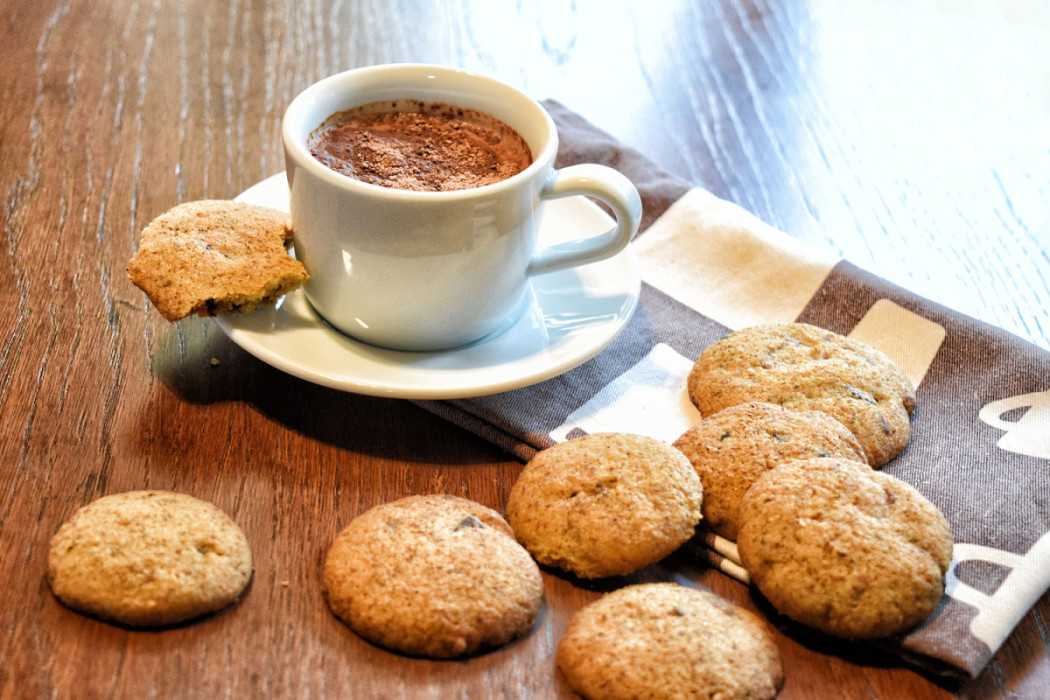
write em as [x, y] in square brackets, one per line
[909, 137]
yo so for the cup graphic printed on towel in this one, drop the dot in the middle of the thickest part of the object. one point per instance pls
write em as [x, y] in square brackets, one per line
[1025, 582]
[1028, 434]
[431, 270]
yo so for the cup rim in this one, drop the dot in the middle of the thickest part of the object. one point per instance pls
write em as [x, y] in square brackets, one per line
[296, 147]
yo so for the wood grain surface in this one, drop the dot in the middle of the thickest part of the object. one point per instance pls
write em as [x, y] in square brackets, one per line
[913, 138]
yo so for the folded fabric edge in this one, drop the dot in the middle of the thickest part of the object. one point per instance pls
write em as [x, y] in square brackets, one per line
[483, 429]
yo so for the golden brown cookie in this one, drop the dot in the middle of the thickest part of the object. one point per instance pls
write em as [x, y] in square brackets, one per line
[605, 504]
[149, 558]
[845, 549]
[436, 576]
[215, 256]
[732, 448]
[663, 640]
[804, 367]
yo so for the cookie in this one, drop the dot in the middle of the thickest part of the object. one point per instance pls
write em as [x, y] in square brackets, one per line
[663, 640]
[436, 576]
[844, 549]
[215, 256]
[732, 448]
[803, 367]
[605, 504]
[149, 558]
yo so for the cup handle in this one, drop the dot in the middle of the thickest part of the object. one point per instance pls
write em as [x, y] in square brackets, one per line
[992, 414]
[603, 183]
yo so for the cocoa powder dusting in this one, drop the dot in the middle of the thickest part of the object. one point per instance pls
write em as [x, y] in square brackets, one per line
[431, 148]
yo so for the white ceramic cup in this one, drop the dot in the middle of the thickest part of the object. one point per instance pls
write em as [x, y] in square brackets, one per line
[426, 271]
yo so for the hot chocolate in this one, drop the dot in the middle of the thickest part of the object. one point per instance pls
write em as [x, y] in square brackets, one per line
[413, 145]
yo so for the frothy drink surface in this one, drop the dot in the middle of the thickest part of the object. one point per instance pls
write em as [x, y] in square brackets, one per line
[411, 145]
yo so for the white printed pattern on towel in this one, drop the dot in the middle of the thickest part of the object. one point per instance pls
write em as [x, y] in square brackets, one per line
[1000, 612]
[1030, 433]
[647, 399]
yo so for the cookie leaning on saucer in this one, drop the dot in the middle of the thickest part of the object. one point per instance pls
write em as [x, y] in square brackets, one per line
[804, 367]
[663, 640]
[605, 504]
[215, 256]
[843, 548]
[149, 558]
[732, 448]
[436, 576]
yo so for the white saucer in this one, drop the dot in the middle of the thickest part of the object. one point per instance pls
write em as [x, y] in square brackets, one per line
[573, 316]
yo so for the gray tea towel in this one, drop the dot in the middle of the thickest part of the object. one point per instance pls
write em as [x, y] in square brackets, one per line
[980, 447]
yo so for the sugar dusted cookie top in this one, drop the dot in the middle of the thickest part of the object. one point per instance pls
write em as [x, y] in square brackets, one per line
[732, 448]
[149, 558]
[843, 548]
[804, 367]
[606, 504]
[663, 640]
[215, 256]
[436, 576]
